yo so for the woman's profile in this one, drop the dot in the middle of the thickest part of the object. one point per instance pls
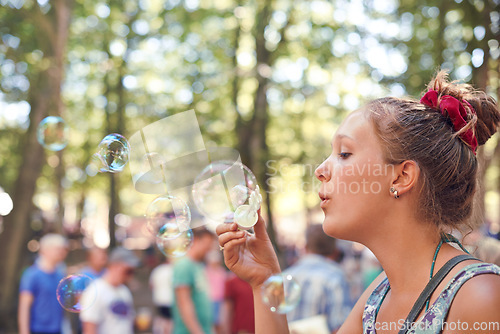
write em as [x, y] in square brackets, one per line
[401, 177]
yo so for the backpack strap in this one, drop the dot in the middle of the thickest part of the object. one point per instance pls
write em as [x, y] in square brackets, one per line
[430, 287]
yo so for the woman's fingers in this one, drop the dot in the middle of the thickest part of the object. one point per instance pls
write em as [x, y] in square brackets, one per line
[233, 243]
[231, 251]
[223, 228]
[224, 238]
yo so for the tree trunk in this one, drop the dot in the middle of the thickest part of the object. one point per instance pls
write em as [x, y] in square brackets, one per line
[480, 79]
[113, 209]
[59, 174]
[113, 188]
[16, 231]
[45, 95]
[251, 134]
[258, 144]
[119, 120]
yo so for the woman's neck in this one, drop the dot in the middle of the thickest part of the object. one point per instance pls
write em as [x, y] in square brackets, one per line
[406, 250]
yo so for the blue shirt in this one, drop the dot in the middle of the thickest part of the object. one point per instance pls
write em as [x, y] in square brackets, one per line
[46, 314]
[324, 290]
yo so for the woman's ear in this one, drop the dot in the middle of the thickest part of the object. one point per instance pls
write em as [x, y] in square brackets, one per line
[405, 177]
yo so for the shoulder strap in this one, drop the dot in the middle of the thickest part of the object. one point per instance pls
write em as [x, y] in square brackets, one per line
[430, 287]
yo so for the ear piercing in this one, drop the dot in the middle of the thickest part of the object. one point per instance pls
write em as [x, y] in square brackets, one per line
[394, 192]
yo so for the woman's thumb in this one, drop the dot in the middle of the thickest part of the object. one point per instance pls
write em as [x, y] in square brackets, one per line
[260, 227]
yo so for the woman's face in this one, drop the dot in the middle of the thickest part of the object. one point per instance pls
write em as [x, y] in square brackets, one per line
[355, 181]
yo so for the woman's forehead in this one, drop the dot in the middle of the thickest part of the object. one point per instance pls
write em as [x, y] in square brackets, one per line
[355, 126]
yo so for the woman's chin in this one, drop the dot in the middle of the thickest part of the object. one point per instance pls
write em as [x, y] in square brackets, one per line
[332, 227]
[339, 228]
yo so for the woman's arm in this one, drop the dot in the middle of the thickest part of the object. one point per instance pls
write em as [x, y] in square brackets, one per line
[265, 320]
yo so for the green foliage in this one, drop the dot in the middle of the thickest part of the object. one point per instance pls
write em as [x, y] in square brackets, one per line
[130, 63]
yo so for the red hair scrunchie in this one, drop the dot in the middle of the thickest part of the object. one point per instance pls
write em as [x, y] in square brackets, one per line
[455, 111]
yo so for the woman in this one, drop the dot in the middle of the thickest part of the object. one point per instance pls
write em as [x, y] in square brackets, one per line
[401, 175]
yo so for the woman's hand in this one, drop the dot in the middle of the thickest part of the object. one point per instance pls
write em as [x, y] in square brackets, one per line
[250, 256]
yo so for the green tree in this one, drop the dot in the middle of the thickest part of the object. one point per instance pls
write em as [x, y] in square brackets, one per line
[45, 78]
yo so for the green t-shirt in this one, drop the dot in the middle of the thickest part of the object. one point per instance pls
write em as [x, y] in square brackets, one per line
[192, 274]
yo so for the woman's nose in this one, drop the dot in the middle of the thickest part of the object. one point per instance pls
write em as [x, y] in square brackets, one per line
[322, 172]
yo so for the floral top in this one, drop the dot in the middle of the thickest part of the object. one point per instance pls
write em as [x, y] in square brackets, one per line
[433, 321]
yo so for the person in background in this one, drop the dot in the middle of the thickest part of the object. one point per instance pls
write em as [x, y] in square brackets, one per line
[97, 258]
[37, 297]
[484, 247]
[237, 309]
[160, 282]
[325, 290]
[351, 265]
[216, 275]
[113, 309]
[370, 267]
[192, 308]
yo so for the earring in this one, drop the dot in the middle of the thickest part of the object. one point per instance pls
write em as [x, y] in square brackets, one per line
[394, 192]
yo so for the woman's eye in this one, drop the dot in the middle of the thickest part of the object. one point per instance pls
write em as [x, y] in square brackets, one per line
[344, 155]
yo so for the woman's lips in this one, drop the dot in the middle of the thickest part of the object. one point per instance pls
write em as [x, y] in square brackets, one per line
[324, 200]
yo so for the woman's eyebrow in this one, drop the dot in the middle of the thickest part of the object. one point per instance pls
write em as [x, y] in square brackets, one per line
[342, 136]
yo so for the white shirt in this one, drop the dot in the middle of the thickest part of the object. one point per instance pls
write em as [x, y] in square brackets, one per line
[113, 309]
[161, 283]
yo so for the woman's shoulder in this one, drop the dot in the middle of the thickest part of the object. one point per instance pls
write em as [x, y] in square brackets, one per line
[478, 298]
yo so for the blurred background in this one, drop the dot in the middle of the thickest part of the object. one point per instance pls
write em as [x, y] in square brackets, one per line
[272, 79]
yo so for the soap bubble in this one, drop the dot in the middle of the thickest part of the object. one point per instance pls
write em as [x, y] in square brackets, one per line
[53, 133]
[221, 188]
[114, 152]
[281, 293]
[176, 246]
[255, 199]
[245, 216]
[167, 216]
[70, 293]
[239, 194]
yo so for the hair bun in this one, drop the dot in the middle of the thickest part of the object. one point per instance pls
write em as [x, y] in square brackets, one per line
[488, 115]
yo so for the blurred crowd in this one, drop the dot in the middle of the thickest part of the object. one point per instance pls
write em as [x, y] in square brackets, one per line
[196, 293]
